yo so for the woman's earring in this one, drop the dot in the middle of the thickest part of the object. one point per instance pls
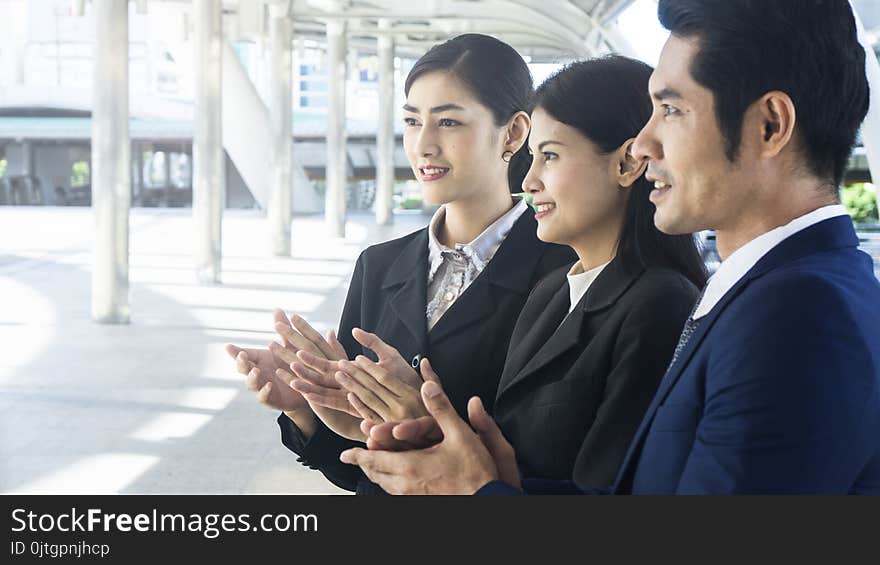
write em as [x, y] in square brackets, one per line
[508, 154]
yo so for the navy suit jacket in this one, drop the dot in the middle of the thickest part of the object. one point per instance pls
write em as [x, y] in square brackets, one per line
[777, 391]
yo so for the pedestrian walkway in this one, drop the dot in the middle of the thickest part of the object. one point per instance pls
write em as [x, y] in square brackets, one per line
[154, 406]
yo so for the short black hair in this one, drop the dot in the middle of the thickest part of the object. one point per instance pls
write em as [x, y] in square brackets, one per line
[496, 75]
[607, 101]
[805, 48]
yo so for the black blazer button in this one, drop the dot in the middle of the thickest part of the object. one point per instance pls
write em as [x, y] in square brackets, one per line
[416, 360]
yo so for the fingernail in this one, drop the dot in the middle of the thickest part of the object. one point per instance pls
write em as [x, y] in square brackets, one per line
[431, 389]
[345, 457]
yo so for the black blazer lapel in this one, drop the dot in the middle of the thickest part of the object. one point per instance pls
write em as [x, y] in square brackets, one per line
[511, 268]
[605, 291]
[524, 356]
[405, 286]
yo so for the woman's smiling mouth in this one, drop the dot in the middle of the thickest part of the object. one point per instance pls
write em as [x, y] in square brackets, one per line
[432, 173]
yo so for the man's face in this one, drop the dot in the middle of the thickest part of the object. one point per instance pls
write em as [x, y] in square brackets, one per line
[697, 187]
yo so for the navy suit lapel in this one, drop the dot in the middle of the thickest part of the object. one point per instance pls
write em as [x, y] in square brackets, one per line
[406, 287]
[834, 233]
[511, 269]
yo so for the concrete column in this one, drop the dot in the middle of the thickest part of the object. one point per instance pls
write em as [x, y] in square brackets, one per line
[280, 165]
[871, 125]
[385, 132]
[334, 207]
[111, 164]
[209, 172]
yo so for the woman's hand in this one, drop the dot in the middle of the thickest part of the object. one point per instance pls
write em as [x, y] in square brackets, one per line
[378, 394]
[312, 362]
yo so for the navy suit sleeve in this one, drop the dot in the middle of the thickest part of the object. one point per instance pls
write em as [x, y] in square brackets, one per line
[789, 380]
[322, 450]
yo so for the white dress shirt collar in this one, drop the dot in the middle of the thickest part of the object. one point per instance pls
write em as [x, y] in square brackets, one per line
[579, 282]
[743, 259]
[479, 251]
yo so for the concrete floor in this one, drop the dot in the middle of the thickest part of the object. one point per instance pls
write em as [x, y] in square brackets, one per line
[154, 406]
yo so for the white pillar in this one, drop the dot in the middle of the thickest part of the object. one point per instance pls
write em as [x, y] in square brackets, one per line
[334, 206]
[385, 132]
[209, 173]
[871, 125]
[111, 164]
[280, 190]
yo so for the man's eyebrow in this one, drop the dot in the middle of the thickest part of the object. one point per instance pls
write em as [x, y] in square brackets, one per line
[667, 94]
[435, 109]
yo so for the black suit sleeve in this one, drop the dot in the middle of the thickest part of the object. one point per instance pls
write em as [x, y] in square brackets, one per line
[322, 450]
[642, 352]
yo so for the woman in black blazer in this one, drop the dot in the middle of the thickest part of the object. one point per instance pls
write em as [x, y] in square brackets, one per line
[466, 128]
[594, 340]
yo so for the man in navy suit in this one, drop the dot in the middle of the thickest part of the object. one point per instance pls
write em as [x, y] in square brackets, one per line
[775, 384]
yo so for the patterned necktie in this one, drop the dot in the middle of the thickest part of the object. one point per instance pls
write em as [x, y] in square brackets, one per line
[690, 326]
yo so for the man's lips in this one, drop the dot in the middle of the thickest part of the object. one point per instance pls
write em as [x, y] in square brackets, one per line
[660, 189]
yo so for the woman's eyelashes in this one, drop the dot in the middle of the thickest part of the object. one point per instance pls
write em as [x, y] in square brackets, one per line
[442, 122]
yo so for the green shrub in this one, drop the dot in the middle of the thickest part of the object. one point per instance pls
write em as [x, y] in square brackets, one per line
[860, 200]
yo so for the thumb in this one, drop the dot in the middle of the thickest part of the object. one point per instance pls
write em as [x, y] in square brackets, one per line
[428, 373]
[336, 345]
[481, 421]
[374, 343]
[441, 409]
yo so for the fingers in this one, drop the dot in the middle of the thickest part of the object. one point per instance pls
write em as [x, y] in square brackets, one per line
[375, 467]
[375, 396]
[490, 435]
[233, 350]
[320, 379]
[308, 332]
[428, 373]
[421, 432]
[384, 378]
[253, 380]
[263, 394]
[284, 376]
[362, 409]
[242, 362]
[439, 406]
[373, 342]
[379, 437]
[283, 354]
[336, 345]
[324, 368]
[279, 317]
[482, 422]
[331, 401]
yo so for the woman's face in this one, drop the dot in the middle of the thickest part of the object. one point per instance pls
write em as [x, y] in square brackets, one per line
[451, 140]
[575, 187]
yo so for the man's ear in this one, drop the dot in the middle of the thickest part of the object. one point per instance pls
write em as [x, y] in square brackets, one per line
[627, 168]
[517, 132]
[773, 119]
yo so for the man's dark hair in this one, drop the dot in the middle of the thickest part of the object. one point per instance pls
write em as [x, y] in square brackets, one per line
[805, 48]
